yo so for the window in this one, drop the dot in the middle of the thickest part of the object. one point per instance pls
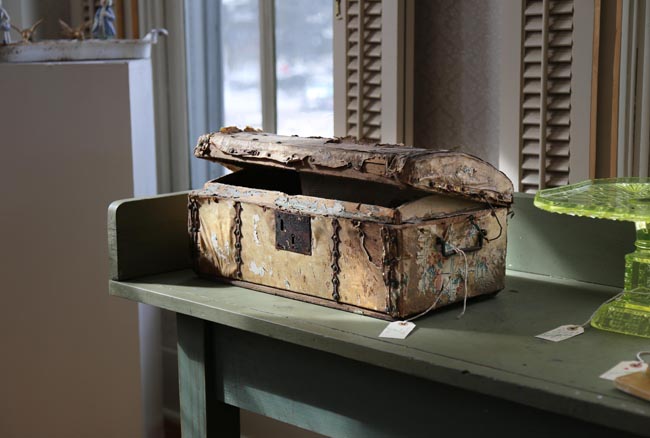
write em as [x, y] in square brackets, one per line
[240, 39]
[302, 34]
[305, 93]
[270, 64]
[266, 64]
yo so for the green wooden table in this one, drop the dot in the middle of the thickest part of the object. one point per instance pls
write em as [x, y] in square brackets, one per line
[327, 371]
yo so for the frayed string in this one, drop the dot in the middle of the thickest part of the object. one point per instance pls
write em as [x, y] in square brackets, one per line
[465, 275]
[437, 300]
[431, 307]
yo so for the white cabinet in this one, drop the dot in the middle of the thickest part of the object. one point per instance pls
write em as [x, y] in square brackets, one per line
[73, 138]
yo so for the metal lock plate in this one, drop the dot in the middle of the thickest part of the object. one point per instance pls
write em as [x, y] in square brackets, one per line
[293, 232]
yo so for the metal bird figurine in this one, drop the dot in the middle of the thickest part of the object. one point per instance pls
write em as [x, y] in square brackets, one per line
[27, 34]
[74, 33]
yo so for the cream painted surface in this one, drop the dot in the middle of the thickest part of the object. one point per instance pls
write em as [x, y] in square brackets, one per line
[70, 364]
[362, 281]
[300, 204]
[434, 205]
[216, 235]
[264, 264]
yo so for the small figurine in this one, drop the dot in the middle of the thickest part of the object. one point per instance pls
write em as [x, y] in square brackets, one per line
[103, 25]
[74, 33]
[5, 25]
[27, 34]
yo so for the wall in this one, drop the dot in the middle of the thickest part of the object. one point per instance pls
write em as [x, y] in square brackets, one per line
[456, 76]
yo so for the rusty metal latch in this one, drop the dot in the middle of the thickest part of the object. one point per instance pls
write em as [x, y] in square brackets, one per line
[293, 232]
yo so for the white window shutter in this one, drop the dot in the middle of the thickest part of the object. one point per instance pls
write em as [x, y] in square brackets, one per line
[82, 11]
[371, 69]
[364, 69]
[553, 138]
[546, 94]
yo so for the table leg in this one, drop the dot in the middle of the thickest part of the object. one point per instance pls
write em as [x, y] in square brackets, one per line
[202, 414]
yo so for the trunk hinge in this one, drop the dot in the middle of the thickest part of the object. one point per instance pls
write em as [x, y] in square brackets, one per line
[336, 255]
[194, 226]
[238, 259]
[389, 239]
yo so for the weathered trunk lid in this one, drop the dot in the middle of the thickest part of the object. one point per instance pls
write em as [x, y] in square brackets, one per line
[445, 172]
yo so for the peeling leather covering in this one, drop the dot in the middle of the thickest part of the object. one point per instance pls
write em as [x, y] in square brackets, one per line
[216, 244]
[361, 278]
[432, 171]
[426, 275]
[299, 203]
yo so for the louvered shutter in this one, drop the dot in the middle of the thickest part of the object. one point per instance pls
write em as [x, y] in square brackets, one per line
[88, 10]
[83, 11]
[363, 56]
[546, 94]
[373, 69]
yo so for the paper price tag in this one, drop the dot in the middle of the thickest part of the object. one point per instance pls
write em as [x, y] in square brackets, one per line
[624, 368]
[397, 330]
[561, 333]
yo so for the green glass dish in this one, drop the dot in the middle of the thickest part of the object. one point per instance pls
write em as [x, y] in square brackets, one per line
[625, 199]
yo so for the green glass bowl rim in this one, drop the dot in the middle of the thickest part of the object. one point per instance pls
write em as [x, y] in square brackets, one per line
[543, 200]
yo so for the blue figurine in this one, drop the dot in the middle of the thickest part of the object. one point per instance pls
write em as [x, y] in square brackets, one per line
[5, 25]
[103, 25]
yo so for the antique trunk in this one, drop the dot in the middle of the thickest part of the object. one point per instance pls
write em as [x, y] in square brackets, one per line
[384, 230]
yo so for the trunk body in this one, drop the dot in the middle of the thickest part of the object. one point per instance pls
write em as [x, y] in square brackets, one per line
[368, 246]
